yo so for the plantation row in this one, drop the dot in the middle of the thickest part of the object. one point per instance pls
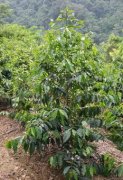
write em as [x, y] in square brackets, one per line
[64, 89]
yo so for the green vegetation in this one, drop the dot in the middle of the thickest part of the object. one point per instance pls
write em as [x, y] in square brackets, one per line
[64, 89]
[102, 17]
[114, 116]
[17, 47]
[4, 12]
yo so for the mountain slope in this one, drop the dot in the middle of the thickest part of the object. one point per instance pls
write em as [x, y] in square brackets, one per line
[102, 17]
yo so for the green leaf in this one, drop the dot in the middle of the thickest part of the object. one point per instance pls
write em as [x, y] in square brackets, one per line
[75, 174]
[66, 170]
[66, 135]
[15, 145]
[73, 132]
[9, 145]
[26, 146]
[31, 148]
[84, 124]
[33, 131]
[80, 132]
[91, 171]
[88, 150]
[53, 161]
[39, 131]
[120, 171]
[84, 169]
[63, 113]
[54, 114]
[69, 65]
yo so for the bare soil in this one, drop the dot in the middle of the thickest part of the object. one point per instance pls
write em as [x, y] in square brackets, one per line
[108, 147]
[20, 166]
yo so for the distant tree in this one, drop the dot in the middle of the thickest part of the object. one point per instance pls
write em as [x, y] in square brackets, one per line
[4, 12]
[102, 17]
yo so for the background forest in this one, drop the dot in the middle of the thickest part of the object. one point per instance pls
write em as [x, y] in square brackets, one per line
[102, 17]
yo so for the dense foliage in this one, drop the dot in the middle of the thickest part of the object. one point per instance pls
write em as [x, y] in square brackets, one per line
[114, 116]
[64, 90]
[101, 17]
[4, 12]
[17, 49]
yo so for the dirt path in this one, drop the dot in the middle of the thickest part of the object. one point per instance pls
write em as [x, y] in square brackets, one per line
[20, 166]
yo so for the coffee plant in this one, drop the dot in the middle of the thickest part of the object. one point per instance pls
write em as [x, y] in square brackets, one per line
[64, 91]
[18, 47]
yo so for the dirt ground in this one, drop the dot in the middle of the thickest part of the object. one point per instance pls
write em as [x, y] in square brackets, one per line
[21, 167]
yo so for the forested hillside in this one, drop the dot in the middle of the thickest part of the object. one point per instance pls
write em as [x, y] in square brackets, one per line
[102, 17]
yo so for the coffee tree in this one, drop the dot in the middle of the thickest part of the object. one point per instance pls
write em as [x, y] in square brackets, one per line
[18, 47]
[113, 76]
[66, 85]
